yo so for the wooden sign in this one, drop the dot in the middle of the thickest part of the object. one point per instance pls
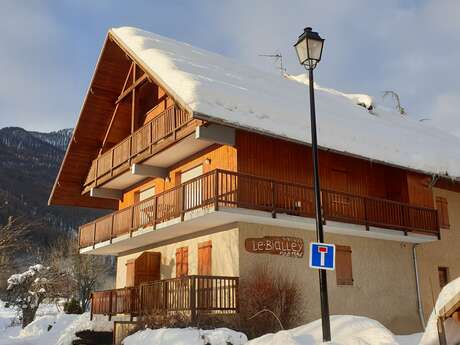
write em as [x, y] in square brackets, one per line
[284, 246]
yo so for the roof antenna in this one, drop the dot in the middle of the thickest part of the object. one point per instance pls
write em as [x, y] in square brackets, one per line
[277, 59]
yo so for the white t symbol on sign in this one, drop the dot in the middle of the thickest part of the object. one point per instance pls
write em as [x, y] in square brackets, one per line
[322, 251]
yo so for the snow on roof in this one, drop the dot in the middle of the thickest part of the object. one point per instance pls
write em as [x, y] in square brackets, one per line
[222, 90]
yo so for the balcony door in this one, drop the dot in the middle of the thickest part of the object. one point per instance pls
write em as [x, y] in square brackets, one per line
[144, 214]
[338, 201]
[193, 190]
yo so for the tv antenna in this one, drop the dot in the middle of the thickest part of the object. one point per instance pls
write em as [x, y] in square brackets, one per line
[277, 59]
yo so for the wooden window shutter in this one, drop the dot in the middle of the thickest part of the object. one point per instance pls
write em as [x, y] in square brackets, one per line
[443, 273]
[181, 261]
[343, 265]
[443, 213]
[205, 258]
[129, 273]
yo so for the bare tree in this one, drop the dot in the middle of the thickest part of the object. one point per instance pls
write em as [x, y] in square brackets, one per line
[13, 238]
[79, 274]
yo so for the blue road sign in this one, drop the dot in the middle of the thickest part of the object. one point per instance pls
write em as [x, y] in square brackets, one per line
[322, 256]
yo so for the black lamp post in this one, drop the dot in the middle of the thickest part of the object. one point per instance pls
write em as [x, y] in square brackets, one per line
[309, 48]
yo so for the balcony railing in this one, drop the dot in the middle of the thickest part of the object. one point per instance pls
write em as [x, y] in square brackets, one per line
[194, 294]
[221, 188]
[138, 146]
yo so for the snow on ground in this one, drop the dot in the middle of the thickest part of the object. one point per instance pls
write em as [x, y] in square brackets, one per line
[411, 339]
[186, 336]
[430, 337]
[222, 90]
[50, 327]
[7, 316]
[53, 327]
[345, 330]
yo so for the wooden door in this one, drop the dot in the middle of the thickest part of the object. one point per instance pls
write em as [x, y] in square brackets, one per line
[147, 267]
[338, 204]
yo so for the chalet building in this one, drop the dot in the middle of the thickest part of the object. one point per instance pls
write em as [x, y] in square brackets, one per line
[206, 165]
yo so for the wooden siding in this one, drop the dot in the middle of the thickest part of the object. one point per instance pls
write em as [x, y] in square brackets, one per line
[220, 157]
[282, 160]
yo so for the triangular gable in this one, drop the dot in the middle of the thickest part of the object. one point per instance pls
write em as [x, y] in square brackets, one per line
[95, 125]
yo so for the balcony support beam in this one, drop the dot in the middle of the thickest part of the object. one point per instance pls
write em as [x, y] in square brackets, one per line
[106, 193]
[216, 134]
[149, 171]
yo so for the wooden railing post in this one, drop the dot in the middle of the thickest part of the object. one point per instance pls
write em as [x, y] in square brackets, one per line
[110, 305]
[216, 190]
[111, 227]
[366, 222]
[132, 222]
[94, 234]
[182, 202]
[155, 212]
[193, 299]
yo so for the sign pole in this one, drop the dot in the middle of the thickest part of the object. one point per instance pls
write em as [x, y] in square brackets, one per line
[325, 322]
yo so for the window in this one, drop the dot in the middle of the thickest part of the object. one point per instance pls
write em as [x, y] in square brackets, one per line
[443, 273]
[192, 191]
[205, 258]
[181, 262]
[443, 213]
[343, 268]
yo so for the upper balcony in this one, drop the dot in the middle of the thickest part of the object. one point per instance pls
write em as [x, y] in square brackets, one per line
[221, 197]
[166, 139]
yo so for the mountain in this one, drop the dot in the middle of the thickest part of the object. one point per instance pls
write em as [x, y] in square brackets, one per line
[29, 162]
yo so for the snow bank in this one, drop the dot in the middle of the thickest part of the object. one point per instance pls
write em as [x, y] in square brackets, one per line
[55, 329]
[7, 316]
[222, 90]
[345, 329]
[430, 337]
[186, 336]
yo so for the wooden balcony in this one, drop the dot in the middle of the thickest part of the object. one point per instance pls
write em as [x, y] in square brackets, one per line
[221, 189]
[193, 294]
[163, 130]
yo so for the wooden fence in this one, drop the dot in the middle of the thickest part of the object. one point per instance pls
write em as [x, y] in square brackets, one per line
[194, 294]
[220, 188]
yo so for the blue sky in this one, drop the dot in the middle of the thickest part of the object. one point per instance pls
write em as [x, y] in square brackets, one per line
[49, 48]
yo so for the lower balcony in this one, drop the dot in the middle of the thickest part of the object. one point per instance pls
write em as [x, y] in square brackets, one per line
[221, 197]
[193, 295]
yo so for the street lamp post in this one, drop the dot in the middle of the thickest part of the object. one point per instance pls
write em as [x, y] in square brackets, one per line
[309, 48]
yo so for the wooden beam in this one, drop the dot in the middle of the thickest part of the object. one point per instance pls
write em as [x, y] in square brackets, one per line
[109, 128]
[133, 101]
[216, 134]
[132, 87]
[106, 193]
[149, 171]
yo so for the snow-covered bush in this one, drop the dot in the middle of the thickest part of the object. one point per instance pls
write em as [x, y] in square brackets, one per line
[25, 291]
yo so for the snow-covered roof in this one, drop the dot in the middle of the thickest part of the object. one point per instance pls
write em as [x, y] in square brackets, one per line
[220, 89]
